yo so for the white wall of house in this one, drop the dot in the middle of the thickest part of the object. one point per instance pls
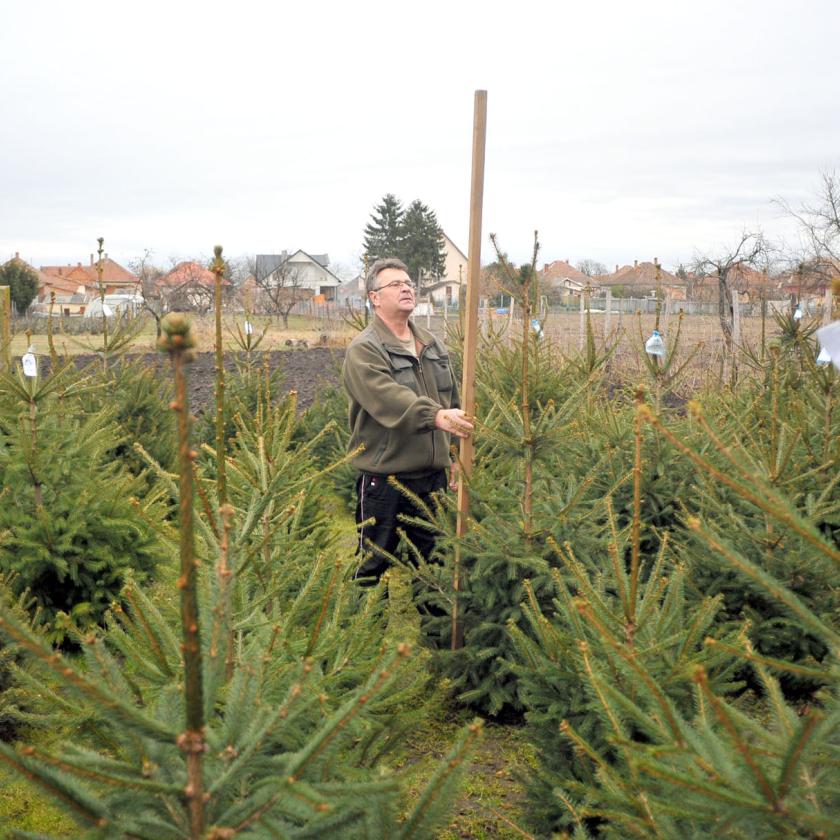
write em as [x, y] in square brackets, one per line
[313, 276]
[456, 263]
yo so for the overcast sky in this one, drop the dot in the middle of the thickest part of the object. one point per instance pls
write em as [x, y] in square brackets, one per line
[618, 130]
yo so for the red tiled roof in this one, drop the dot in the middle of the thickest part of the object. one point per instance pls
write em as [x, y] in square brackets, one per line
[113, 274]
[189, 273]
[48, 282]
[642, 274]
[561, 269]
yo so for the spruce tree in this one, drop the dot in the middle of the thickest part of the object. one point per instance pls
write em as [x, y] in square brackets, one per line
[75, 521]
[384, 232]
[657, 742]
[22, 282]
[423, 248]
[246, 694]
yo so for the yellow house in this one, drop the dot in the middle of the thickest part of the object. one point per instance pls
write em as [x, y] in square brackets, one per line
[454, 276]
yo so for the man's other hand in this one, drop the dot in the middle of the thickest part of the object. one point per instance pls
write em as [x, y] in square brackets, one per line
[454, 421]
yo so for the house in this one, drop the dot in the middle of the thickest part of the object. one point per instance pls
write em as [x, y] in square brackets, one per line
[809, 279]
[306, 273]
[749, 284]
[561, 276]
[353, 291]
[641, 279]
[115, 278]
[65, 290]
[189, 285]
[447, 287]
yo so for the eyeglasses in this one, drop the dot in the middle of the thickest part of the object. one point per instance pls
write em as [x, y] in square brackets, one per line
[398, 283]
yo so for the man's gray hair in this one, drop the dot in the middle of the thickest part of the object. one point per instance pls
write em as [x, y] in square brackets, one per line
[381, 265]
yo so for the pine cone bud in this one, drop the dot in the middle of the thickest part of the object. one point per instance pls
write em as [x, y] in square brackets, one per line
[175, 333]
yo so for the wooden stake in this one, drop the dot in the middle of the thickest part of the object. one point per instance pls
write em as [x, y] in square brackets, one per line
[5, 327]
[470, 336]
[582, 328]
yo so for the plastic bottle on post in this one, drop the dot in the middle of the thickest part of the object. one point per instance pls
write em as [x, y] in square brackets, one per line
[655, 346]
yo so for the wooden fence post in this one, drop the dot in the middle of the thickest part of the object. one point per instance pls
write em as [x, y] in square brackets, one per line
[736, 321]
[582, 332]
[5, 327]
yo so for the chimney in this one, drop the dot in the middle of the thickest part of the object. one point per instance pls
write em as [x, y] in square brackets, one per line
[545, 267]
[567, 261]
[616, 268]
[17, 255]
[91, 259]
[635, 263]
[78, 265]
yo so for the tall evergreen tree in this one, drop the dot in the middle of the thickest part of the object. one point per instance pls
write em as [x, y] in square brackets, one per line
[424, 251]
[412, 235]
[22, 282]
[384, 231]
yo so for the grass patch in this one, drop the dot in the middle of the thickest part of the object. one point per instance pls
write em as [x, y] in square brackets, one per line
[492, 801]
[24, 808]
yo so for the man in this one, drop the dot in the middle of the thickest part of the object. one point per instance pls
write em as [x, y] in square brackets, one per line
[404, 408]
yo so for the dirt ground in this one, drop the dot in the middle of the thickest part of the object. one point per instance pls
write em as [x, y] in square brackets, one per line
[306, 370]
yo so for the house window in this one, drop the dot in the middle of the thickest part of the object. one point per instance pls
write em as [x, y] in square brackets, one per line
[449, 294]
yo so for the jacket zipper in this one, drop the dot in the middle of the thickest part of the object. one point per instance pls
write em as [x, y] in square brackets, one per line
[426, 390]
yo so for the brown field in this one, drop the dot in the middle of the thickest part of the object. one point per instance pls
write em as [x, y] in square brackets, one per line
[700, 334]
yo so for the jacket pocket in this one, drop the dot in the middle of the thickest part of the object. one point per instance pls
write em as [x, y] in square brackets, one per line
[443, 374]
[403, 370]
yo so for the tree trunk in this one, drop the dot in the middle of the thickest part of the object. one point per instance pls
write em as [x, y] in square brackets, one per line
[725, 308]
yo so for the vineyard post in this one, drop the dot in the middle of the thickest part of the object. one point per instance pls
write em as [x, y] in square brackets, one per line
[470, 335]
[5, 327]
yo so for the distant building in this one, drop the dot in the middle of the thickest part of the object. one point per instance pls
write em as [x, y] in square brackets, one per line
[61, 279]
[641, 279]
[308, 273]
[188, 286]
[447, 287]
[44, 280]
[560, 276]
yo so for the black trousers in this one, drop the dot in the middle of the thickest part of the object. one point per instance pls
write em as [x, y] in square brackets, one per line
[376, 498]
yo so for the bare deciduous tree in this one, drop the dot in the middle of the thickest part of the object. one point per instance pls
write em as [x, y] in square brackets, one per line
[750, 250]
[191, 288]
[280, 287]
[591, 268]
[820, 221]
[148, 274]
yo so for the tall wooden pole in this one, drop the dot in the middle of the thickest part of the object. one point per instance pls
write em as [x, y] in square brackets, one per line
[6, 330]
[470, 341]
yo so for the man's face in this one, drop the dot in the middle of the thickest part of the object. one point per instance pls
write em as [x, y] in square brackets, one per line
[394, 293]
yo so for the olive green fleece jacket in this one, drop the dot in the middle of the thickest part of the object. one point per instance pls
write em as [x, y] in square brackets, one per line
[394, 398]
